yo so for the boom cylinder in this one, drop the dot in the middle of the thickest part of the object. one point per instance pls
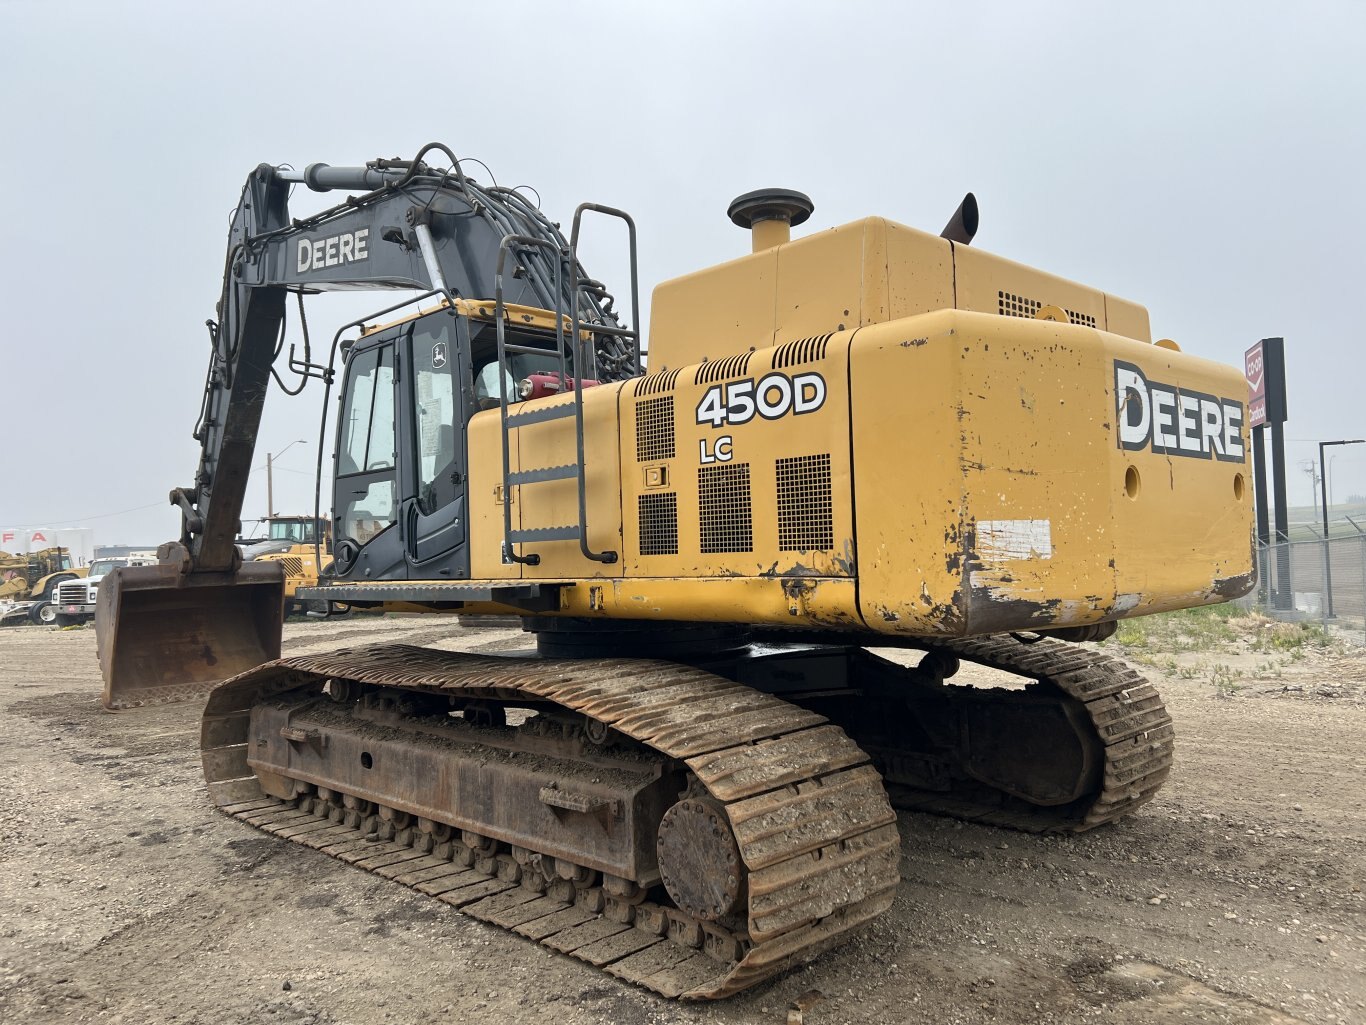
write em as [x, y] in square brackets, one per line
[325, 177]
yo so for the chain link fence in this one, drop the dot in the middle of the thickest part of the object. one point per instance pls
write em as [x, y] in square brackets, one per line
[1316, 580]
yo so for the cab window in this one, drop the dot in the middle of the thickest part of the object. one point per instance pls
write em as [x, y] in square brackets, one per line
[368, 414]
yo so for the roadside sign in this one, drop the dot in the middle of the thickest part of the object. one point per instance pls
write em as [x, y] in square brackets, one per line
[1264, 368]
[1254, 362]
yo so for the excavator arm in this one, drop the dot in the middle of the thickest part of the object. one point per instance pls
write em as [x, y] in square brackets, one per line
[170, 631]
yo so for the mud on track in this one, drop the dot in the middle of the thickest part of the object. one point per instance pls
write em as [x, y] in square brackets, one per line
[1236, 896]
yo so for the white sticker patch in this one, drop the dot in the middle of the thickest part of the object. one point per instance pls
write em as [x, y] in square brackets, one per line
[1000, 540]
[1125, 602]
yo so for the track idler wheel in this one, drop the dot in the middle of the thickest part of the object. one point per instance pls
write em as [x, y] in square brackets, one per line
[699, 858]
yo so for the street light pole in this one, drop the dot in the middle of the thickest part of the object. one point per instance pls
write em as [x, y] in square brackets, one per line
[1327, 550]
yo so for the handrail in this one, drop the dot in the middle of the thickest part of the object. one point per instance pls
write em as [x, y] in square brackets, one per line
[580, 363]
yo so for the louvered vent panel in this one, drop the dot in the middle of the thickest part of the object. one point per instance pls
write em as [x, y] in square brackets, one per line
[659, 523]
[805, 520]
[724, 512]
[656, 384]
[721, 369]
[803, 350]
[1010, 305]
[655, 429]
[294, 567]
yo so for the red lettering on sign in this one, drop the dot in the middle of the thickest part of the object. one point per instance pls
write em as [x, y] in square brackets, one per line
[38, 536]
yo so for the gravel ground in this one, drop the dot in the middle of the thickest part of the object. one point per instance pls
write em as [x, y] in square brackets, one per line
[1236, 896]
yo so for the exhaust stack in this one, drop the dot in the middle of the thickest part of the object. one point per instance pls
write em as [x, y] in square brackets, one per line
[770, 215]
[963, 224]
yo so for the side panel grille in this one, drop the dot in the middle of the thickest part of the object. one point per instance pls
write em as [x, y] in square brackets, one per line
[655, 429]
[1010, 305]
[659, 523]
[805, 516]
[719, 370]
[294, 567]
[724, 512]
[803, 350]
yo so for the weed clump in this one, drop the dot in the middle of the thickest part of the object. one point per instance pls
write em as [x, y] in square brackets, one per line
[1207, 644]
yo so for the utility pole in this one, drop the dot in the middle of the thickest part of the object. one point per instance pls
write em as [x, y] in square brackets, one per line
[1312, 471]
[1327, 546]
[270, 477]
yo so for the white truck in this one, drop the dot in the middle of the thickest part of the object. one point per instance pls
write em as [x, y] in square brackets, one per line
[74, 600]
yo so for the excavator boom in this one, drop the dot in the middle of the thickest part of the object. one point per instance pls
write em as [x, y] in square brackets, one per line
[171, 631]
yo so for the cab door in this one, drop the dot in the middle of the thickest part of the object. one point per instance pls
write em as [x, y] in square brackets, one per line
[437, 397]
[368, 544]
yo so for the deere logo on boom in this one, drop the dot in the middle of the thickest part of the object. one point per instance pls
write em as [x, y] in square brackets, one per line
[317, 253]
[1176, 421]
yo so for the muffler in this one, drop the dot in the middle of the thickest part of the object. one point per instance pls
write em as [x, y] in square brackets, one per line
[164, 635]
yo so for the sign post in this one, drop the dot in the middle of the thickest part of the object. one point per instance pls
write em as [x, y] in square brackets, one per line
[1264, 367]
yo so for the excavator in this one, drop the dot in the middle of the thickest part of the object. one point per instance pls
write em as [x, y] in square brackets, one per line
[858, 462]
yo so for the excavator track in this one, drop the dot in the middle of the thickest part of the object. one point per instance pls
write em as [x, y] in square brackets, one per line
[803, 809]
[1132, 731]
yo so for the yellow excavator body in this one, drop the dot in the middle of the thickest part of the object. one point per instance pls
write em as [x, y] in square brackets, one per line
[947, 444]
[868, 437]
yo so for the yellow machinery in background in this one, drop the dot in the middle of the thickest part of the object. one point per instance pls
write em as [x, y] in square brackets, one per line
[293, 543]
[28, 583]
[867, 438]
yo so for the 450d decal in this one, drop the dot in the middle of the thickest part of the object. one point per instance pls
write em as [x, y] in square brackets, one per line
[772, 397]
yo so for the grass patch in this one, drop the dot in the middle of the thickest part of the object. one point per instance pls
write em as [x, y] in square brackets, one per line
[1202, 629]
[1225, 679]
[1273, 636]
[1218, 644]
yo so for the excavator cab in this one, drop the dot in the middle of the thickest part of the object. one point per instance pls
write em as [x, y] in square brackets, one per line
[400, 502]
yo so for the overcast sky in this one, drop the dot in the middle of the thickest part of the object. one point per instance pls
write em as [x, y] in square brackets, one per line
[1203, 159]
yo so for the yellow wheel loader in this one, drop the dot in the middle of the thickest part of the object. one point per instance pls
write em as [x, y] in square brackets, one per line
[866, 438]
[290, 542]
[28, 584]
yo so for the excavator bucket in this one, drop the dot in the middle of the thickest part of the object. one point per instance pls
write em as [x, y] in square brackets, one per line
[164, 635]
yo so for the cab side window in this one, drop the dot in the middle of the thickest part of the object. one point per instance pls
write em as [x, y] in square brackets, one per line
[368, 414]
[368, 445]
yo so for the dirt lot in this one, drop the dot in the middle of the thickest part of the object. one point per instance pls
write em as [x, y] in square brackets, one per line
[1236, 896]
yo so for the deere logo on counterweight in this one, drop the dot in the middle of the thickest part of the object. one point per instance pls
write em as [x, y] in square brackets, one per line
[1176, 421]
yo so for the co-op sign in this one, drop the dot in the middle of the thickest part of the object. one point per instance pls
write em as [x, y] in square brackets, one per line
[1264, 367]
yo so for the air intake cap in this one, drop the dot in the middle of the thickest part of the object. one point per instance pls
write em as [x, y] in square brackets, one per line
[770, 213]
[770, 205]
